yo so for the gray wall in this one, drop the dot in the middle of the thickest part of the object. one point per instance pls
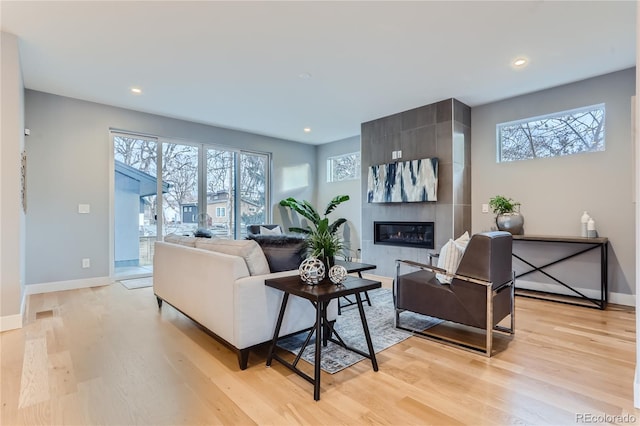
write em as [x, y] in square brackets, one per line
[555, 191]
[12, 218]
[69, 151]
[350, 210]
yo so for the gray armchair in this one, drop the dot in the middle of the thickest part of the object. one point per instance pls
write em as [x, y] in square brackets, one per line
[480, 295]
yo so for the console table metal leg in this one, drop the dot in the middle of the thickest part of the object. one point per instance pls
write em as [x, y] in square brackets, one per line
[367, 336]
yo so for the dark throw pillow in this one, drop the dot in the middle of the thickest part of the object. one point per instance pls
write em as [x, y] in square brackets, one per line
[202, 233]
[283, 252]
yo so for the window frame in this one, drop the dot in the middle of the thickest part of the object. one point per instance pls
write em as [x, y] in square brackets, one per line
[554, 115]
[331, 167]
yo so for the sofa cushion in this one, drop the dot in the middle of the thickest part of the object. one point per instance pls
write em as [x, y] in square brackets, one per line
[184, 240]
[249, 250]
[283, 252]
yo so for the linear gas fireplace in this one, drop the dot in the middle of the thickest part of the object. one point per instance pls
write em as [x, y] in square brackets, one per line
[408, 234]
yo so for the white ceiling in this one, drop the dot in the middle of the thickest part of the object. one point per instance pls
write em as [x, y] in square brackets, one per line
[238, 64]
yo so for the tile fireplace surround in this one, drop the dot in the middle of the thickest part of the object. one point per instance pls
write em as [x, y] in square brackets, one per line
[441, 130]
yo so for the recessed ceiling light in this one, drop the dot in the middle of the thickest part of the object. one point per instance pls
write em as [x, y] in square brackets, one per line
[307, 129]
[136, 90]
[304, 75]
[520, 62]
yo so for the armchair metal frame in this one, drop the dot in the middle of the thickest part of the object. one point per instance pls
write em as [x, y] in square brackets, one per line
[490, 293]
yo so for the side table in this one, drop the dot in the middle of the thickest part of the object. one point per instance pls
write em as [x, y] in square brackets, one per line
[353, 267]
[319, 296]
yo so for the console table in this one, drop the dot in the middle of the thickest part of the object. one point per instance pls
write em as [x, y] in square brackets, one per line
[578, 297]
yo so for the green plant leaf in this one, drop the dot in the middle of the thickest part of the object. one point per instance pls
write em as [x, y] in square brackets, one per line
[338, 199]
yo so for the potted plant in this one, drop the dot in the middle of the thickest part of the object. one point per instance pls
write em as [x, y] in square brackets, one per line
[508, 217]
[322, 238]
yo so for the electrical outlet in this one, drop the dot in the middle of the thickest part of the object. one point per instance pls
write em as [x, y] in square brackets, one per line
[394, 155]
[86, 262]
[485, 208]
[399, 154]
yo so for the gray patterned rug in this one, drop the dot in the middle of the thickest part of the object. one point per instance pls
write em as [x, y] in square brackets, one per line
[383, 334]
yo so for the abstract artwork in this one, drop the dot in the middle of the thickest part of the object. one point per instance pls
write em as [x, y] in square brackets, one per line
[403, 182]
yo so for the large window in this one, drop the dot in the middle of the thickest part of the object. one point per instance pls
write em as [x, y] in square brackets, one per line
[343, 167]
[563, 133]
[201, 186]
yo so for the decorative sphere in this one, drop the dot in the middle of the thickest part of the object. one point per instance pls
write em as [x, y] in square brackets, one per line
[337, 274]
[311, 270]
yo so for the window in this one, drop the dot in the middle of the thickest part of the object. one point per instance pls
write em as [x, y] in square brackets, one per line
[563, 133]
[221, 211]
[343, 167]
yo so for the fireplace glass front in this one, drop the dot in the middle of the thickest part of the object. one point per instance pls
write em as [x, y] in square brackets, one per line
[408, 234]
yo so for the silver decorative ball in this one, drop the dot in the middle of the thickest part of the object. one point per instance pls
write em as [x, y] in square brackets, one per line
[311, 270]
[337, 274]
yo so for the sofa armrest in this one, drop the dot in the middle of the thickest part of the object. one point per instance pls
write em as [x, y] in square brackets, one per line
[199, 283]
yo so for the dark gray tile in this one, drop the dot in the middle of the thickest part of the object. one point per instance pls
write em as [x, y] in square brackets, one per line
[445, 183]
[461, 112]
[444, 110]
[444, 224]
[444, 138]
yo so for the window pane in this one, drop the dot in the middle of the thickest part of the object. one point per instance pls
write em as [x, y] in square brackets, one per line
[135, 202]
[253, 185]
[343, 167]
[220, 192]
[180, 200]
[563, 133]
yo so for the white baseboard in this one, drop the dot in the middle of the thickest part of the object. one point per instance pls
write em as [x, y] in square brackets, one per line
[66, 285]
[617, 298]
[10, 322]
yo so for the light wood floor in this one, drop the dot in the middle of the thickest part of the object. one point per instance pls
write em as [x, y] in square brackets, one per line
[107, 356]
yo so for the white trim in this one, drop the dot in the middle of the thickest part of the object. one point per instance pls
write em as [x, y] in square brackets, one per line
[66, 285]
[10, 322]
[617, 298]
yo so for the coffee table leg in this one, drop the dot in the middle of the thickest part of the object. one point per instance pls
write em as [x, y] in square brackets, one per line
[319, 325]
[367, 336]
[276, 333]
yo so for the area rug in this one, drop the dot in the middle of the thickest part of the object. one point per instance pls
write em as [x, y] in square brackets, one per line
[380, 316]
[137, 283]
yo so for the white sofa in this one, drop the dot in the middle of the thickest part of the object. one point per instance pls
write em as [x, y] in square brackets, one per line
[225, 293]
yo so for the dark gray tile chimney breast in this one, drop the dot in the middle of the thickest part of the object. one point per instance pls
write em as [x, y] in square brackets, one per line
[441, 130]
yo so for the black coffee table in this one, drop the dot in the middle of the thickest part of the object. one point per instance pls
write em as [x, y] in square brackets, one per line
[319, 296]
[352, 267]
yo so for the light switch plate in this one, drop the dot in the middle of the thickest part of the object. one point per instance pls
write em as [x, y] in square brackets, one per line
[84, 208]
[485, 208]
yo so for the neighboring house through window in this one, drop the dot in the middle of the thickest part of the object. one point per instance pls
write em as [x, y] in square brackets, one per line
[553, 135]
